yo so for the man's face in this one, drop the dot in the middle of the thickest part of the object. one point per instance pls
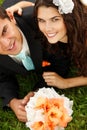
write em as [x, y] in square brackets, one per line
[10, 38]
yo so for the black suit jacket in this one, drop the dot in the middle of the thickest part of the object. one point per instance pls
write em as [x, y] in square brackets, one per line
[8, 67]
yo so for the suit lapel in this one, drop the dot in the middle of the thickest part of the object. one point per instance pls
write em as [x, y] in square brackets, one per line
[10, 64]
[36, 53]
[33, 43]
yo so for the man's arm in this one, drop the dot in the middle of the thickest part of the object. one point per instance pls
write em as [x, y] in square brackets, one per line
[9, 90]
[8, 87]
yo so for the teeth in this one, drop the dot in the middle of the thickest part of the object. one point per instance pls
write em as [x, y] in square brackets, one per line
[51, 35]
[11, 47]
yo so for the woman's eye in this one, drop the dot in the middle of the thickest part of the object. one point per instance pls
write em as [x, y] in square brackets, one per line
[54, 20]
[41, 20]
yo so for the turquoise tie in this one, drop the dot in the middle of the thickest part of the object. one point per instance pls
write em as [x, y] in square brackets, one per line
[26, 60]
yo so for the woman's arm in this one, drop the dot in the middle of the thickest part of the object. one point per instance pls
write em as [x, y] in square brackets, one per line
[53, 79]
[75, 82]
[18, 7]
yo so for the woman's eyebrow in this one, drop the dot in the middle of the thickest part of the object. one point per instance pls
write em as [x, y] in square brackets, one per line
[54, 17]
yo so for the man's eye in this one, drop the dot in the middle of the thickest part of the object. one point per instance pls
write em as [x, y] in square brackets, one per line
[4, 31]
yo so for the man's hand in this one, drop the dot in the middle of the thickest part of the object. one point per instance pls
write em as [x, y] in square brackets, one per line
[18, 106]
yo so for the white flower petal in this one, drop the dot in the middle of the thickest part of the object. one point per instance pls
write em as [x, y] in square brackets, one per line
[64, 6]
[34, 115]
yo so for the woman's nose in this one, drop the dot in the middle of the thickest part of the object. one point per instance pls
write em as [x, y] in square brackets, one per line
[48, 26]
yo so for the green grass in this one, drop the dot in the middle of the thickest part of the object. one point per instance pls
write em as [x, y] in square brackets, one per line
[8, 120]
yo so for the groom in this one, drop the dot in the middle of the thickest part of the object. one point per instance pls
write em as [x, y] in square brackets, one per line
[15, 37]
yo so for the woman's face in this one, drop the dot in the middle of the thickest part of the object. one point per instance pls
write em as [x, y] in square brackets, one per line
[51, 24]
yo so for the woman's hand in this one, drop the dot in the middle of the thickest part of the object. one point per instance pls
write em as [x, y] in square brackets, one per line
[53, 79]
[17, 8]
[14, 9]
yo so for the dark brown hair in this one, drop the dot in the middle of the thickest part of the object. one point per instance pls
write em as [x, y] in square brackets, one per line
[76, 24]
[3, 13]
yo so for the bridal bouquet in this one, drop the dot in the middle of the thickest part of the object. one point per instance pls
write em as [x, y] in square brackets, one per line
[47, 110]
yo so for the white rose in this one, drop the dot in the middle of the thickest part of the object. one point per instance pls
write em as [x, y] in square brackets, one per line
[84, 2]
[64, 6]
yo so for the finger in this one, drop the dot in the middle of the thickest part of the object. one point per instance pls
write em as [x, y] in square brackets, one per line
[50, 83]
[48, 77]
[20, 11]
[48, 73]
[27, 97]
[30, 94]
[10, 14]
[22, 117]
[21, 107]
[32, 4]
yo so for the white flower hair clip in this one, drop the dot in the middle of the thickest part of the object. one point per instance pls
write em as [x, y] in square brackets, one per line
[64, 6]
[84, 2]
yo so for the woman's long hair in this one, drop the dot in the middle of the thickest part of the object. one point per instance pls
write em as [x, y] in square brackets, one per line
[76, 24]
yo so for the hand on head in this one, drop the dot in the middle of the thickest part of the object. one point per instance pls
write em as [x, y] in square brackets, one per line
[11, 10]
[17, 8]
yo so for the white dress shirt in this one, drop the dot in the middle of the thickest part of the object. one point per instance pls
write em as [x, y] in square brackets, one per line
[25, 48]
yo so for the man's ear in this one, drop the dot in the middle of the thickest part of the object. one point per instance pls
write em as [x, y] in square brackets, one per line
[11, 16]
